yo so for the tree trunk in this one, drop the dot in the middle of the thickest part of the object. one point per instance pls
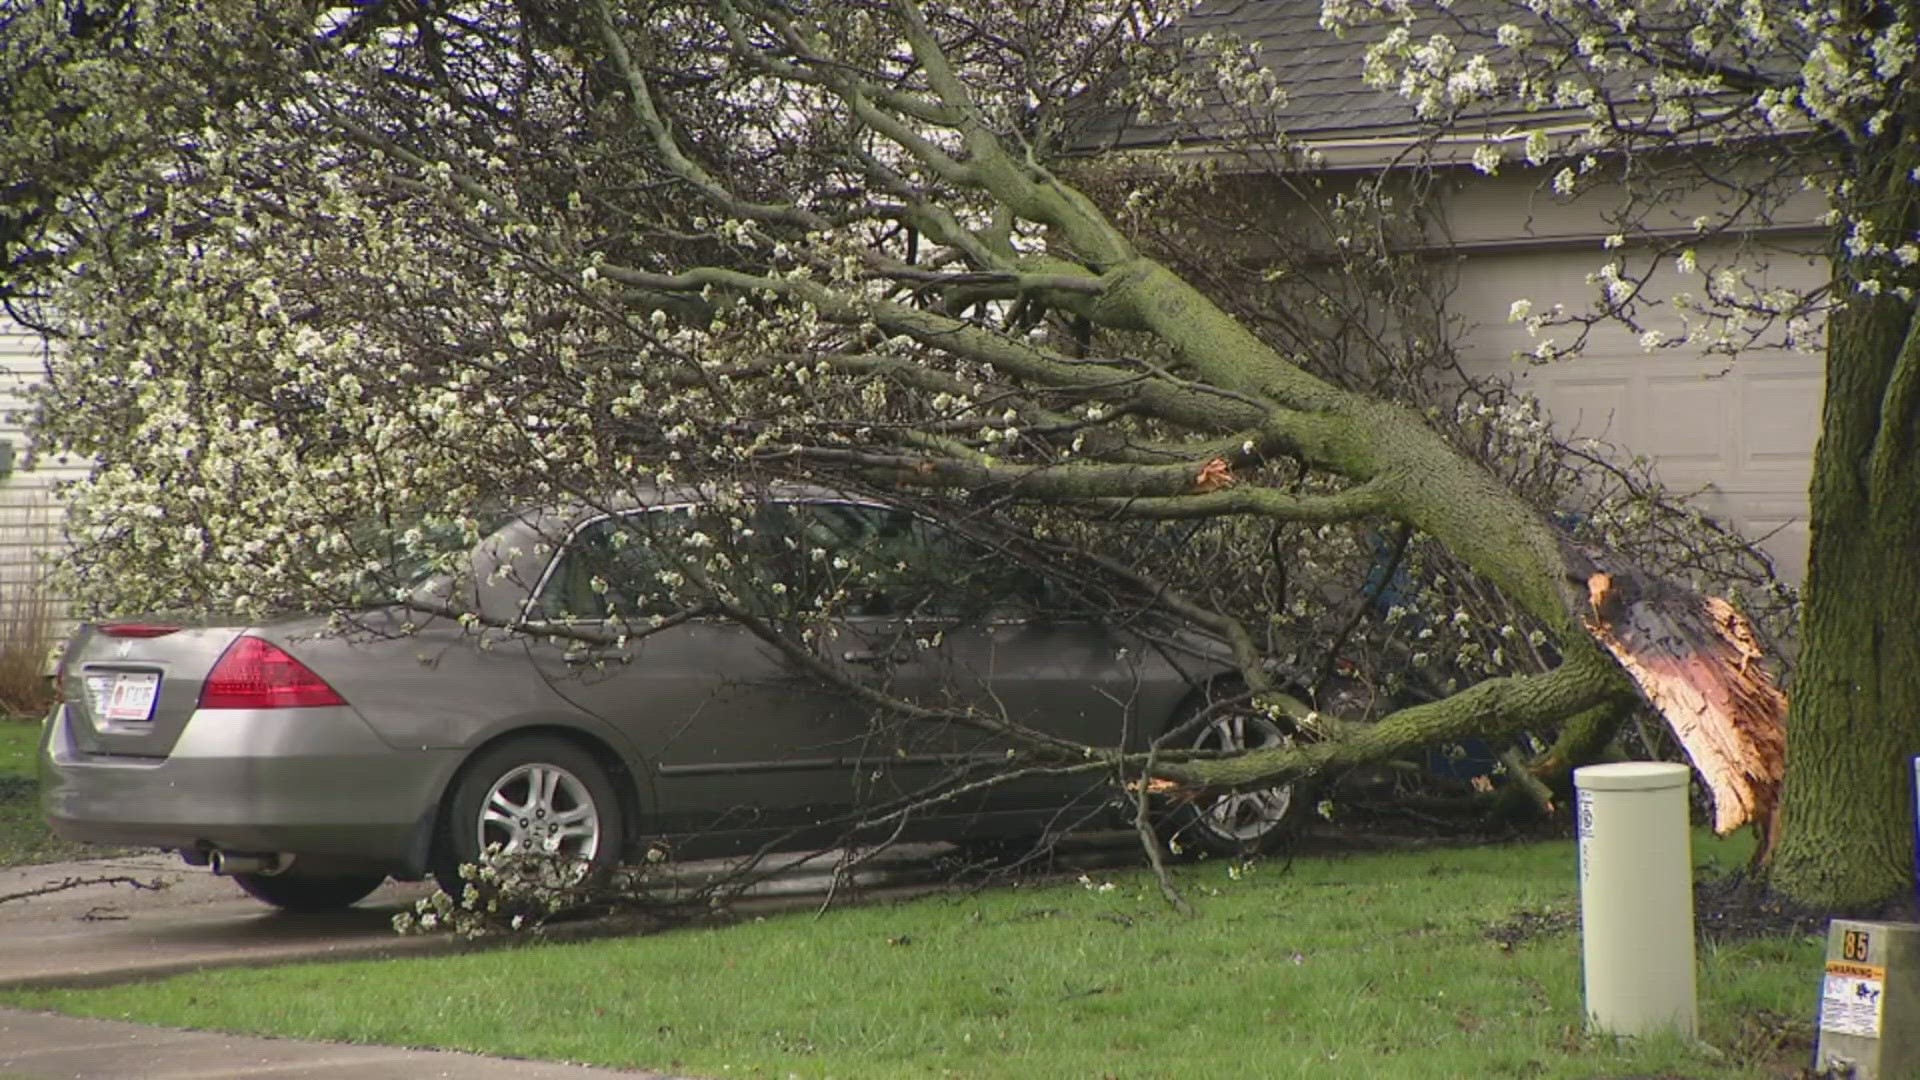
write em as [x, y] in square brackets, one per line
[1848, 830]
[1847, 840]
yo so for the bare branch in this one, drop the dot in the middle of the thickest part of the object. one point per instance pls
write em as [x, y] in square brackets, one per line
[640, 103]
[70, 883]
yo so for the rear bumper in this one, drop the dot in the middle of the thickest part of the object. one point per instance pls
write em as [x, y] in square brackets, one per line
[314, 782]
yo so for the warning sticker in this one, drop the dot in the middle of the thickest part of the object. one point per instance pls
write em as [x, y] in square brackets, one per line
[1851, 999]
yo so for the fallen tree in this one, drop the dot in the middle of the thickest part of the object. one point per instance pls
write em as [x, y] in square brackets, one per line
[440, 260]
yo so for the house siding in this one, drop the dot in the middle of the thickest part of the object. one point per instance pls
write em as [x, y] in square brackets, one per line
[29, 512]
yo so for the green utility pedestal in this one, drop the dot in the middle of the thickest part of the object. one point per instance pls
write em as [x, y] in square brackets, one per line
[1870, 1001]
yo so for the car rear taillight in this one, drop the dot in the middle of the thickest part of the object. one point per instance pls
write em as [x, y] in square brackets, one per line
[257, 674]
[137, 629]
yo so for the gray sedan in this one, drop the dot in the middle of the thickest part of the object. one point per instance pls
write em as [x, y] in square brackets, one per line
[575, 695]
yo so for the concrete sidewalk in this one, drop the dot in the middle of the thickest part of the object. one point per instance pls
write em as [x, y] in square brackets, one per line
[39, 1046]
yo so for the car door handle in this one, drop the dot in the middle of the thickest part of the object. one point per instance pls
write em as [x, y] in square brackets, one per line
[587, 658]
[874, 656]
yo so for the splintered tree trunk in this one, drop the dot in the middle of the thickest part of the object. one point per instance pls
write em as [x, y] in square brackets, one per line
[1847, 839]
[1696, 659]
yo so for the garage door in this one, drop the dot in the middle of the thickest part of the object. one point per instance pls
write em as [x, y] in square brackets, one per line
[1740, 432]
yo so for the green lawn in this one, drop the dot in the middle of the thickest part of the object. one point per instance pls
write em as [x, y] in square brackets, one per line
[24, 837]
[1366, 966]
[19, 742]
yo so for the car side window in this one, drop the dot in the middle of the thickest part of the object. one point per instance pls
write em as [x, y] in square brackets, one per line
[618, 566]
[892, 563]
[867, 560]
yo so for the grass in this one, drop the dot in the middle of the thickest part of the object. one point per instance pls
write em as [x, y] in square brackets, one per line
[19, 745]
[24, 836]
[1374, 965]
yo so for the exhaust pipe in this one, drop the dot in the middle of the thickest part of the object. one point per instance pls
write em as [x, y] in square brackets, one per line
[228, 863]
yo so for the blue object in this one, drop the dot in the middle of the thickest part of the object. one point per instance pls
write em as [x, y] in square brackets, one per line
[1916, 826]
[1468, 758]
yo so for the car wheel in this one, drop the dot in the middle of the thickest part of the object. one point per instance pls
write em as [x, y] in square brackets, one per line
[1239, 823]
[295, 889]
[531, 797]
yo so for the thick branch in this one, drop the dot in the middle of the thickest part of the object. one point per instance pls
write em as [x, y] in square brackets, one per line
[1581, 739]
[1361, 501]
[1496, 707]
[1067, 482]
[1194, 408]
[1023, 186]
[993, 284]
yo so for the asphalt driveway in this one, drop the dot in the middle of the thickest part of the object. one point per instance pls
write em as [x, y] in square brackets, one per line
[112, 932]
[149, 915]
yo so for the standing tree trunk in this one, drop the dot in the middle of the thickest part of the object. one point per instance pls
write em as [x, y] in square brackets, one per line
[1855, 722]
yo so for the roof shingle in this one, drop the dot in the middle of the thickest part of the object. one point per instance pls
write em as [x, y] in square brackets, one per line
[1322, 73]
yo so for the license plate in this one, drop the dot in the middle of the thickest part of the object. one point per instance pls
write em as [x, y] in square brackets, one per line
[127, 695]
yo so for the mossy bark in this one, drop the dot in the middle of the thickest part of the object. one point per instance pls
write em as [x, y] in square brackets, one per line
[1586, 682]
[1847, 828]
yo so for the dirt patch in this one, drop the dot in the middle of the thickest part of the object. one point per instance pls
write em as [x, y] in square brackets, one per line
[1725, 909]
[1735, 908]
[1527, 924]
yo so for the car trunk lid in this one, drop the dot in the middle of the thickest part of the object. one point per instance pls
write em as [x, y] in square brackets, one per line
[130, 686]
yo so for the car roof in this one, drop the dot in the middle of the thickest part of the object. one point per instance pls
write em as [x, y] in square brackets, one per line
[572, 513]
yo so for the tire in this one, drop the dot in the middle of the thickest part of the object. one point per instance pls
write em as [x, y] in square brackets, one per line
[496, 801]
[1237, 824]
[294, 890]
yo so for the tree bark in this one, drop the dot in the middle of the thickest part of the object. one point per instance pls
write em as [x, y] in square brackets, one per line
[1847, 836]
[1847, 833]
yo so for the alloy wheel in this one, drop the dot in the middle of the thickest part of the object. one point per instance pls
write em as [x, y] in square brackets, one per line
[540, 809]
[1244, 816]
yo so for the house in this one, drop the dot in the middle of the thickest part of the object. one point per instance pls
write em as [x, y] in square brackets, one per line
[1737, 431]
[29, 518]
